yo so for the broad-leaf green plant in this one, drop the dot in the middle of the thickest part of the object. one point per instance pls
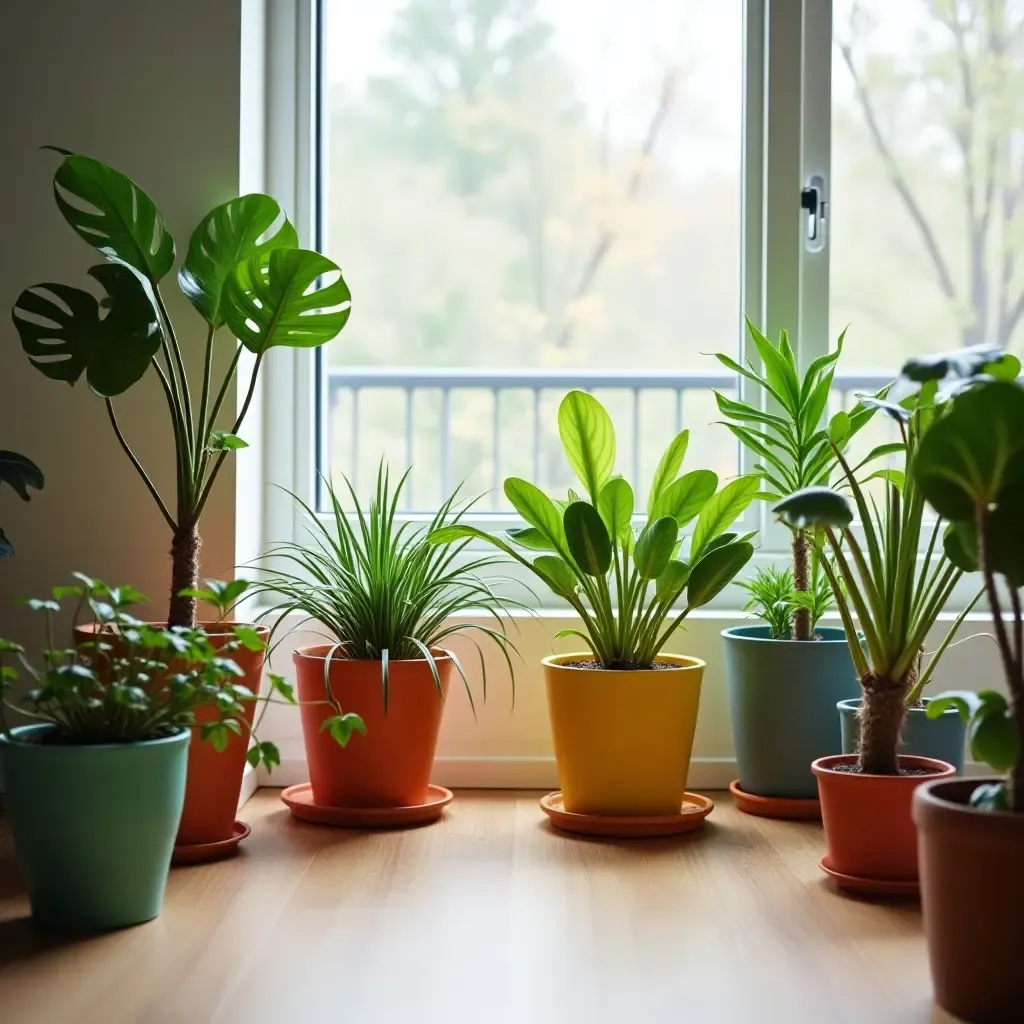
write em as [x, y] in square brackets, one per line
[629, 585]
[245, 276]
[970, 469]
[784, 429]
[19, 473]
[383, 591]
[895, 594]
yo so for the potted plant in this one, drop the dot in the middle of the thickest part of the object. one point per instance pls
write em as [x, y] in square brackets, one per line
[244, 272]
[784, 678]
[896, 595]
[96, 782]
[19, 473]
[388, 599]
[970, 468]
[623, 712]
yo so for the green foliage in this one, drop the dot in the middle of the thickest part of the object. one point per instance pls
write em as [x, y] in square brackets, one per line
[222, 594]
[774, 599]
[604, 566]
[382, 589]
[243, 270]
[131, 681]
[992, 734]
[19, 473]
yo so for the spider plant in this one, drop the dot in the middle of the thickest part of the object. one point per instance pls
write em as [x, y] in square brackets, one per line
[795, 450]
[382, 590]
[774, 598]
[895, 594]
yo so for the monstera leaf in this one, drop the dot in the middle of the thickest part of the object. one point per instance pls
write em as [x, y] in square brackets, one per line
[226, 236]
[114, 215]
[64, 333]
[270, 299]
[20, 473]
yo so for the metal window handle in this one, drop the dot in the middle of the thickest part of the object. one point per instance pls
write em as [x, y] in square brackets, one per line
[815, 207]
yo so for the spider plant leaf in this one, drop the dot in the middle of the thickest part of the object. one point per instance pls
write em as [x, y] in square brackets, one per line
[684, 498]
[814, 507]
[654, 547]
[588, 438]
[587, 538]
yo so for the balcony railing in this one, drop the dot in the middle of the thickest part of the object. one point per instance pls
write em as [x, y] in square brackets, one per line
[361, 382]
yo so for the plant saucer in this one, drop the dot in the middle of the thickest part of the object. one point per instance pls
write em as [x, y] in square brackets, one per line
[871, 886]
[789, 808]
[695, 808]
[300, 802]
[200, 853]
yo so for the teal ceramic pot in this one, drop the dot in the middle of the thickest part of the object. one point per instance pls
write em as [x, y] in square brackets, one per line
[943, 738]
[782, 696]
[94, 826]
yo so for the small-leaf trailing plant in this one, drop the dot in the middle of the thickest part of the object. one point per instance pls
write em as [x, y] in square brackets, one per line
[895, 593]
[625, 583]
[970, 469]
[774, 598]
[795, 450]
[19, 473]
[383, 591]
[147, 685]
[243, 271]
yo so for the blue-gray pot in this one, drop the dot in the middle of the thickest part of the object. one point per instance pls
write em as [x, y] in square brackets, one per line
[943, 737]
[782, 696]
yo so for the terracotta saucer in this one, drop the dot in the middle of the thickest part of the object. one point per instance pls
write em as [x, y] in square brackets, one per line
[200, 853]
[691, 815]
[790, 808]
[871, 886]
[300, 802]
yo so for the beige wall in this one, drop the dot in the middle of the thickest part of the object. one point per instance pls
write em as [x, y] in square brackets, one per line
[153, 88]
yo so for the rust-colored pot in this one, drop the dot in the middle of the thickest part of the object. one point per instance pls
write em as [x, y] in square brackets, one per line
[869, 831]
[972, 894]
[214, 781]
[389, 766]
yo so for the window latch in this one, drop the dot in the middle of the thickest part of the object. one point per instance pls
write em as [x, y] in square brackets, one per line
[815, 209]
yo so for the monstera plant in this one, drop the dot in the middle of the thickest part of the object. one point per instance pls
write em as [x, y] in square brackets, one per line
[245, 276]
[19, 473]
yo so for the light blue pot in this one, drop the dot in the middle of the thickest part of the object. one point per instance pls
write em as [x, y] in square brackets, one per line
[94, 826]
[943, 737]
[782, 696]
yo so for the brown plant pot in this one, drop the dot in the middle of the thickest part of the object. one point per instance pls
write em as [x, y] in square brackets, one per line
[869, 831]
[972, 892]
[389, 766]
[214, 781]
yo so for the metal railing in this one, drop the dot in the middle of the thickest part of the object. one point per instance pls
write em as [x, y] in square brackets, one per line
[358, 380]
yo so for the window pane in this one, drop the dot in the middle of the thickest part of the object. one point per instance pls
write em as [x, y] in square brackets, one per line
[533, 185]
[928, 176]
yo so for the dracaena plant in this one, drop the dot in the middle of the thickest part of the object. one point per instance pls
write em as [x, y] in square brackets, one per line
[970, 469]
[784, 430]
[383, 591]
[19, 473]
[625, 583]
[895, 594]
[147, 684]
[245, 276]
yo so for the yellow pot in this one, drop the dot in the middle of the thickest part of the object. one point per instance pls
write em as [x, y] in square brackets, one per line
[623, 738]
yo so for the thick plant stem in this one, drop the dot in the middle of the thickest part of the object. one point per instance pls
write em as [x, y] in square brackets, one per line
[184, 575]
[882, 712]
[801, 581]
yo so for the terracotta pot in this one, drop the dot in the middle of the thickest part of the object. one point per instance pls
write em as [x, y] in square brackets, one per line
[623, 738]
[214, 781]
[389, 766]
[869, 831]
[972, 892]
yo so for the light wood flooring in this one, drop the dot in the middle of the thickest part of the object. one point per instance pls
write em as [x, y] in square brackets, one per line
[487, 917]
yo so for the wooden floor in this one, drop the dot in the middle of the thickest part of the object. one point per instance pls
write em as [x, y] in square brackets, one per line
[487, 917]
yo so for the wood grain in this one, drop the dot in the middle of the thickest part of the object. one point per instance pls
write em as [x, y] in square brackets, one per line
[487, 917]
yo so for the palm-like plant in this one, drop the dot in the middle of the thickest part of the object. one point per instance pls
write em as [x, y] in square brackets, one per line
[381, 589]
[895, 594]
[774, 598]
[796, 451]
[624, 583]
